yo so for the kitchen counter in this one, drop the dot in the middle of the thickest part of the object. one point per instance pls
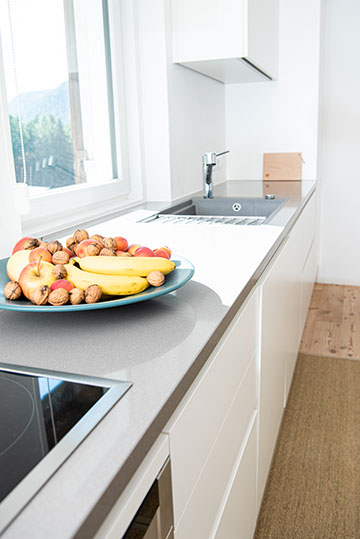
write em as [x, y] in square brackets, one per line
[159, 345]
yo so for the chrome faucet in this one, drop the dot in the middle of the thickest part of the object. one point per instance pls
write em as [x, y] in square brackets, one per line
[208, 162]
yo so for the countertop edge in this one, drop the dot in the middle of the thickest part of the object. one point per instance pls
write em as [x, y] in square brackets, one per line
[98, 514]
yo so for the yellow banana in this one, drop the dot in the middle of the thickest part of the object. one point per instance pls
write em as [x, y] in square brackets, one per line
[112, 285]
[135, 265]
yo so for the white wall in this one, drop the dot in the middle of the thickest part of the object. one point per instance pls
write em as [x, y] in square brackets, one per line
[279, 116]
[183, 111]
[339, 145]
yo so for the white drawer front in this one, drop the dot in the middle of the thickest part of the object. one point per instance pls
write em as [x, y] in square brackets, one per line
[200, 512]
[195, 425]
[303, 232]
[239, 514]
[307, 282]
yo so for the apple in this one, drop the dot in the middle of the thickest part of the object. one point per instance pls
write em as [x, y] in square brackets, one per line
[167, 249]
[132, 248]
[70, 253]
[88, 248]
[162, 253]
[34, 275]
[62, 283]
[27, 243]
[121, 243]
[16, 264]
[38, 253]
[143, 251]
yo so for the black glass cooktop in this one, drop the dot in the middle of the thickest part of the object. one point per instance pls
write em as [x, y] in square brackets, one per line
[43, 417]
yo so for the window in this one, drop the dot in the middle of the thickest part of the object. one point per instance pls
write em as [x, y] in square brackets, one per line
[63, 69]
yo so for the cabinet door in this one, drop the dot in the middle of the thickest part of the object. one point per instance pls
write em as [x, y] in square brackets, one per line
[194, 428]
[280, 326]
[201, 512]
[308, 277]
[238, 517]
[228, 40]
[284, 292]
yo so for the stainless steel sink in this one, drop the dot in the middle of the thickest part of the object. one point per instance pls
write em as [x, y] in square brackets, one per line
[221, 210]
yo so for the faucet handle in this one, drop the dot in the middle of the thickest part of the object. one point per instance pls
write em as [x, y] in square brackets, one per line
[222, 153]
[209, 158]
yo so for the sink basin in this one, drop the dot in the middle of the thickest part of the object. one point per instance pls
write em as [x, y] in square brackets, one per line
[219, 210]
[227, 206]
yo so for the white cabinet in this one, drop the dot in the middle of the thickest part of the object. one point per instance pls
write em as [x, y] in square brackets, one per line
[279, 342]
[228, 40]
[286, 292]
[208, 429]
[238, 516]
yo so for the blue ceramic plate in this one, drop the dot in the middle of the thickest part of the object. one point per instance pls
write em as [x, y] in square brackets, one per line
[182, 273]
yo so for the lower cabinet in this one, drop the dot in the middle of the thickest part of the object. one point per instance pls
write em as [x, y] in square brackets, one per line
[210, 429]
[285, 296]
[239, 512]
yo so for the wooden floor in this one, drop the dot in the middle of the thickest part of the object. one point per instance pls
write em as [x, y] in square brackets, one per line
[333, 322]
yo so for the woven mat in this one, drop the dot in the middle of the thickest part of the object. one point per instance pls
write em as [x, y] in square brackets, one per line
[313, 490]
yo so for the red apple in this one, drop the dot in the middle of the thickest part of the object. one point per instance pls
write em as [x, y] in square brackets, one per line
[143, 251]
[88, 248]
[132, 248]
[162, 253]
[62, 283]
[16, 264]
[27, 243]
[167, 249]
[70, 253]
[36, 274]
[121, 243]
[40, 252]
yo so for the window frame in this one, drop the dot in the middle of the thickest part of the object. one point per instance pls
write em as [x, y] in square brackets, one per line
[69, 206]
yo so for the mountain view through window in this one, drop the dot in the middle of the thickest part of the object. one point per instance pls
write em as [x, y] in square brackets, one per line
[57, 73]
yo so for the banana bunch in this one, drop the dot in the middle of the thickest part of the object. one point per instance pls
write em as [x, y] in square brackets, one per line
[116, 276]
[112, 285]
[128, 266]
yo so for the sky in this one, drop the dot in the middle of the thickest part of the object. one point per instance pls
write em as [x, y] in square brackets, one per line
[40, 46]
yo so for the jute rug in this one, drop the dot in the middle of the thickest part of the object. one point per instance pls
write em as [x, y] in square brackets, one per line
[313, 490]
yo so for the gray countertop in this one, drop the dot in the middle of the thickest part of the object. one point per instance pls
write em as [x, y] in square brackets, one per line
[160, 345]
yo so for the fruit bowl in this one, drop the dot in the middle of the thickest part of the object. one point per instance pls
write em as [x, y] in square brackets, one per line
[183, 272]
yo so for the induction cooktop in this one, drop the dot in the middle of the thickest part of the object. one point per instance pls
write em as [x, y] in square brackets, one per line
[44, 416]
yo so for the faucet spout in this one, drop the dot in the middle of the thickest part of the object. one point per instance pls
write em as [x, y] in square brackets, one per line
[208, 163]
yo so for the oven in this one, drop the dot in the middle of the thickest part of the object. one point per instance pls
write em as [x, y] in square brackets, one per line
[154, 518]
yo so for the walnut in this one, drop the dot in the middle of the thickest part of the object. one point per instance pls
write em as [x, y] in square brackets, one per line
[44, 244]
[60, 257]
[156, 278]
[59, 271]
[107, 252]
[30, 243]
[12, 290]
[40, 295]
[97, 237]
[93, 293]
[93, 249]
[122, 253]
[72, 244]
[110, 243]
[59, 296]
[54, 246]
[80, 235]
[76, 296]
